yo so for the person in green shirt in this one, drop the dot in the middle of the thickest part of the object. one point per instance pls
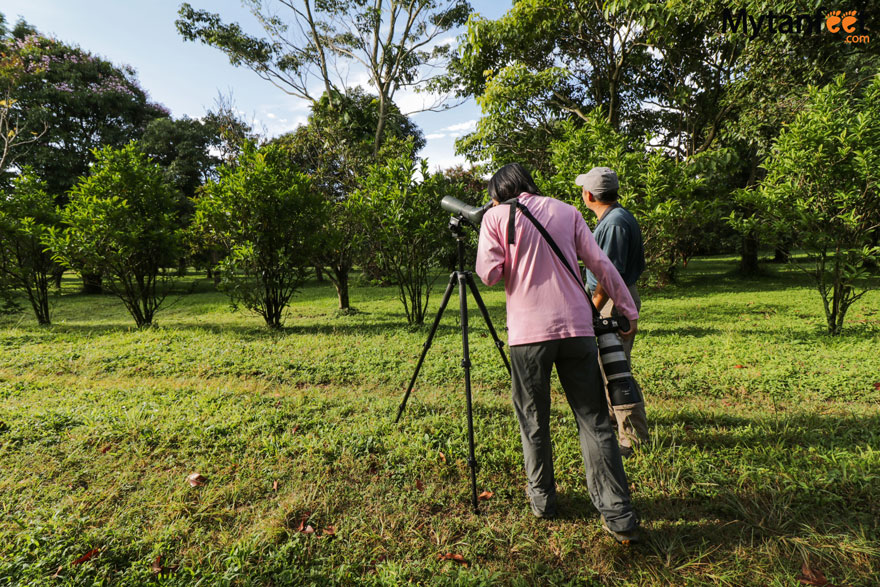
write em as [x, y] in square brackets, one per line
[619, 235]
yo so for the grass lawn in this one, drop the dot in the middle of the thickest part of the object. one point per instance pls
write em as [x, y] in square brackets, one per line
[765, 451]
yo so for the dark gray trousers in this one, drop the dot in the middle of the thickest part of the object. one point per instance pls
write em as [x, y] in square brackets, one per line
[577, 365]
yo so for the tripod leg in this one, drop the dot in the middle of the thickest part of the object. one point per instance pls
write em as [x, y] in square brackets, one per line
[466, 363]
[427, 345]
[498, 344]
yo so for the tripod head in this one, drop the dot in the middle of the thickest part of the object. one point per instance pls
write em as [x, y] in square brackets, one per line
[457, 224]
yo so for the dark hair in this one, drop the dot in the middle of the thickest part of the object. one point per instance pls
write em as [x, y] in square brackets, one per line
[510, 181]
[608, 197]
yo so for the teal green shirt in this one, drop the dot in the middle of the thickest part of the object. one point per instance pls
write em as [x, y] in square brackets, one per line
[619, 235]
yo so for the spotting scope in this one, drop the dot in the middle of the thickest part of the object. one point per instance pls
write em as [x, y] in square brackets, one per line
[470, 213]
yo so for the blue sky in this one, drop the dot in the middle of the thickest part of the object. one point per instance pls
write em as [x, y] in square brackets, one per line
[187, 77]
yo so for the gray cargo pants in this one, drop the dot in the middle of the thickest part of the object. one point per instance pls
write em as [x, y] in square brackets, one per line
[577, 365]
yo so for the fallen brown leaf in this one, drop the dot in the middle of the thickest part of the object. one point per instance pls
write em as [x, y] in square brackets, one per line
[275, 485]
[737, 366]
[158, 568]
[196, 480]
[86, 556]
[330, 531]
[449, 556]
[105, 448]
[877, 386]
[485, 495]
[442, 457]
[308, 529]
[811, 576]
[294, 429]
[419, 485]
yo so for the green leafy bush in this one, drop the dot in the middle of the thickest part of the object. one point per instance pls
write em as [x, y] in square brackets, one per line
[265, 215]
[26, 214]
[121, 223]
[821, 191]
[405, 226]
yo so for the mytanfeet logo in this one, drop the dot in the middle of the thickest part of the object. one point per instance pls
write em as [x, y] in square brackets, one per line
[846, 23]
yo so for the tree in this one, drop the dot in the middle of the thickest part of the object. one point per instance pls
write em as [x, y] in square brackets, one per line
[66, 102]
[320, 43]
[14, 66]
[334, 148]
[405, 226]
[264, 214]
[661, 191]
[674, 70]
[185, 148]
[547, 61]
[120, 222]
[81, 101]
[26, 215]
[822, 190]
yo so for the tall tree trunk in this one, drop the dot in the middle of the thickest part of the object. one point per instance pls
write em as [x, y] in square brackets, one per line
[319, 274]
[782, 254]
[748, 263]
[214, 273]
[92, 283]
[380, 127]
[341, 283]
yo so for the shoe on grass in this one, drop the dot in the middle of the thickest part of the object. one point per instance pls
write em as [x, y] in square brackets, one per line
[625, 538]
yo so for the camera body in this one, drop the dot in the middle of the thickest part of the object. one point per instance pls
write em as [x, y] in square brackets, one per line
[622, 388]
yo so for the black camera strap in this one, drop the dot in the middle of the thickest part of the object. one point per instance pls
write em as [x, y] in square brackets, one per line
[511, 239]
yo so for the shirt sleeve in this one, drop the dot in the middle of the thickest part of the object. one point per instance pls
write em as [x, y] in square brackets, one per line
[490, 253]
[600, 265]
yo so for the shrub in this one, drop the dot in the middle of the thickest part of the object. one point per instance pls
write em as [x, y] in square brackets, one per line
[264, 215]
[121, 223]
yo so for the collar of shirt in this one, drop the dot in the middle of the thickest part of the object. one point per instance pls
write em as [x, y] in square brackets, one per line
[605, 213]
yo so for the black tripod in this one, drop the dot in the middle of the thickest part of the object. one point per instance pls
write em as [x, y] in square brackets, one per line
[464, 279]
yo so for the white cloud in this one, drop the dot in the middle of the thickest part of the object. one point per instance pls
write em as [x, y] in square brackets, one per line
[270, 115]
[412, 102]
[434, 136]
[468, 125]
[280, 126]
[440, 163]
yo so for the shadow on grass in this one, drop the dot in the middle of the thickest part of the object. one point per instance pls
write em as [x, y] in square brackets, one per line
[718, 431]
[375, 327]
[808, 485]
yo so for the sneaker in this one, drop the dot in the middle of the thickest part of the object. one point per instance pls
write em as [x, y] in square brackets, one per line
[626, 451]
[625, 538]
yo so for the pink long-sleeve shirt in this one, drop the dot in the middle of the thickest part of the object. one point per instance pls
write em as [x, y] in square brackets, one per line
[543, 300]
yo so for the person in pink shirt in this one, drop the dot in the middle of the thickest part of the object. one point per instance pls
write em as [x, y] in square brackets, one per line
[550, 322]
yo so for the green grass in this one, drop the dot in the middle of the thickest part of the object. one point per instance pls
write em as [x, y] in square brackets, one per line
[765, 449]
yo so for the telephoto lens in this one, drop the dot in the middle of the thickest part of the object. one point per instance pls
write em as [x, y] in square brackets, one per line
[622, 388]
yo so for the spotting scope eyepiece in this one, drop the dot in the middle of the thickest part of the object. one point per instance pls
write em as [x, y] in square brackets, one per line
[470, 213]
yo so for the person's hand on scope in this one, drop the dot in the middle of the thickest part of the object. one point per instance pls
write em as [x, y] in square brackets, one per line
[633, 328]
